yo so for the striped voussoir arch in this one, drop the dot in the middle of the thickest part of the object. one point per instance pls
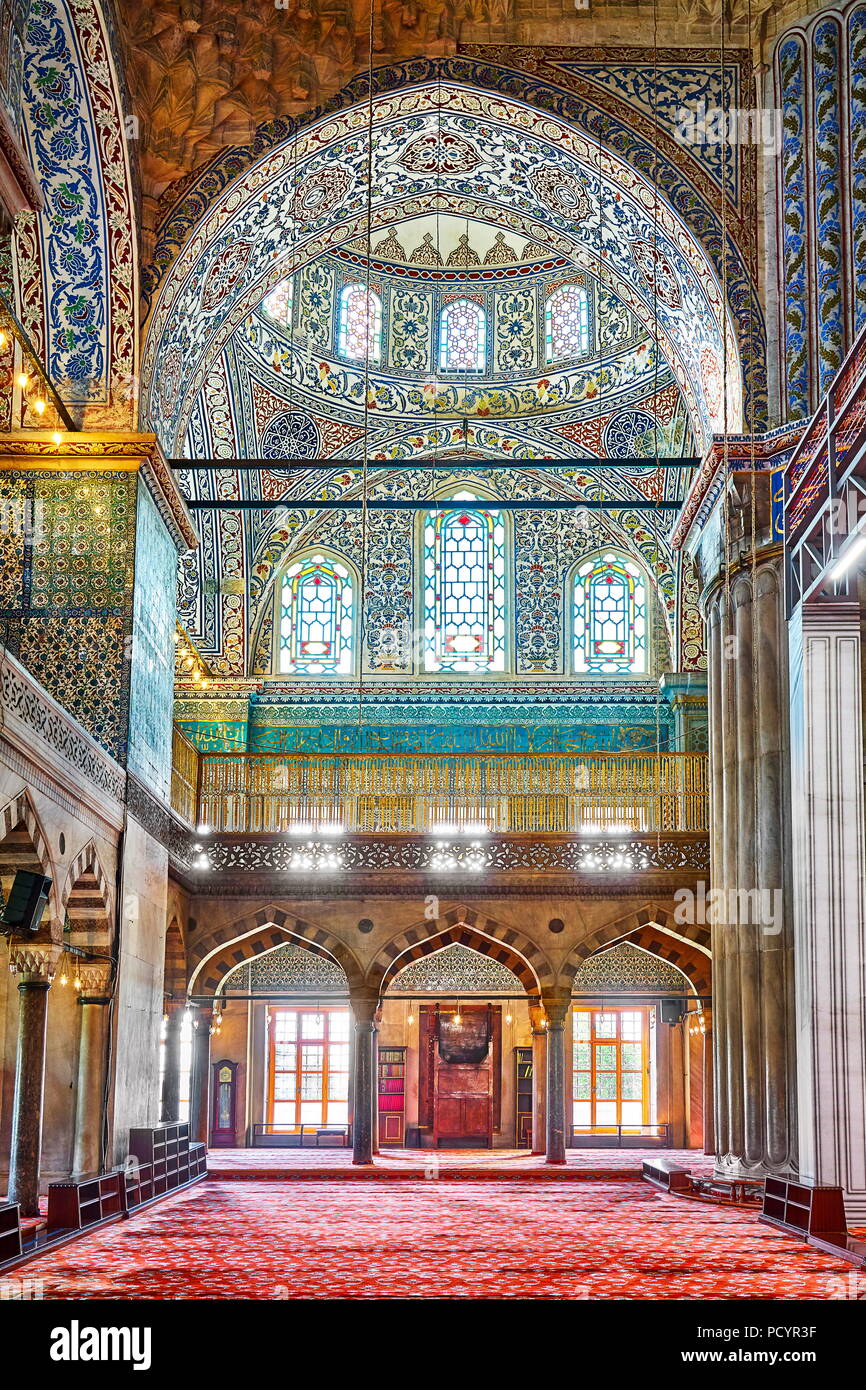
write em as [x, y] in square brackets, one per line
[223, 950]
[86, 897]
[467, 927]
[22, 842]
[654, 929]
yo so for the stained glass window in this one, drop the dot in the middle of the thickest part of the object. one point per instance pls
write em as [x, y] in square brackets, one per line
[464, 588]
[462, 337]
[316, 627]
[566, 323]
[359, 324]
[278, 304]
[610, 617]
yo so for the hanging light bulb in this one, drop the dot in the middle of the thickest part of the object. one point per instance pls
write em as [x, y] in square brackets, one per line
[508, 1018]
[410, 1018]
[57, 437]
[22, 379]
[39, 407]
[3, 340]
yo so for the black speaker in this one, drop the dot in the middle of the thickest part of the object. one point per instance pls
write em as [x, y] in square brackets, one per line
[672, 1011]
[27, 898]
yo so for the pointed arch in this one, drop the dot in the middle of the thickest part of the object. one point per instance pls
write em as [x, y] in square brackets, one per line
[468, 927]
[222, 950]
[86, 899]
[174, 968]
[652, 928]
[22, 839]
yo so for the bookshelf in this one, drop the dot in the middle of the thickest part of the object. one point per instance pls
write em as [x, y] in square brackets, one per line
[805, 1211]
[72, 1206]
[10, 1232]
[392, 1096]
[523, 1097]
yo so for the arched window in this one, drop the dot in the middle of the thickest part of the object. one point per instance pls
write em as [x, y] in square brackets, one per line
[315, 631]
[610, 617]
[464, 588]
[462, 337]
[566, 323]
[359, 324]
[278, 304]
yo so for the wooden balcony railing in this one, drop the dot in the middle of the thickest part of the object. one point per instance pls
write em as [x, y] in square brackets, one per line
[393, 793]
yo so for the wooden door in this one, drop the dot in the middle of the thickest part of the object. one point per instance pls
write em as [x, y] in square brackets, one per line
[463, 1091]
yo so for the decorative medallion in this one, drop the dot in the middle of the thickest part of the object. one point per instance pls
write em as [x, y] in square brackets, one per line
[440, 152]
[630, 432]
[321, 193]
[562, 192]
[389, 248]
[657, 273]
[500, 252]
[463, 254]
[224, 274]
[293, 434]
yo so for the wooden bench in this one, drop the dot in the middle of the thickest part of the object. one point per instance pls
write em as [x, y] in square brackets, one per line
[664, 1173]
[10, 1232]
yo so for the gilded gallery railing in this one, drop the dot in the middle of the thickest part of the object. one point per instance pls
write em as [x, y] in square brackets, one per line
[185, 762]
[538, 793]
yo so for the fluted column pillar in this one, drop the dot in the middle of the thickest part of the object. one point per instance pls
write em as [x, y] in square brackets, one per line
[93, 1004]
[199, 1091]
[539, 1077]
[364, 1011]
[829, 818]
[35, 967]
[749, 911]
[556, 1008]
[170, 1098]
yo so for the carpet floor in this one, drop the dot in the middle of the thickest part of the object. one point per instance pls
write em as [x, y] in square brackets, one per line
[491, 1240]
[325, 1163]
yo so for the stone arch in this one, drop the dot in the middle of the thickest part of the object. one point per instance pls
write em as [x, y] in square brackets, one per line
[467, 927]
[653, 928]
[23, 846]
[222, 950]
[86, 897]
[174, 968]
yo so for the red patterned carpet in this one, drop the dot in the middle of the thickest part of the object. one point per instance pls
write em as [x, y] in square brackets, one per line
[490, 1240]
[322, 1164]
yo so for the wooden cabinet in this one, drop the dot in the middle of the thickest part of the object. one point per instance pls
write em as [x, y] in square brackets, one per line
[72, 1206]
[392, 1097]
[805, 1211]
[10, 1232]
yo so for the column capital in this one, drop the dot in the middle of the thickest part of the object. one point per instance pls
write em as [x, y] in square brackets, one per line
[556, 1006]
[94, 980]
[364, 1007]
[34, 964]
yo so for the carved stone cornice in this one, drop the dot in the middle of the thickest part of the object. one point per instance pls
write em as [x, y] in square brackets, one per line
[36, 724]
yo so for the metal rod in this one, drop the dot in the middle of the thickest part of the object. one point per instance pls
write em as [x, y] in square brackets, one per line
[449, 461]
[422, 504]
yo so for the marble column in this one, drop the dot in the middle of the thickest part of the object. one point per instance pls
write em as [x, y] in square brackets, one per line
[364, 1010]
[199, 1093]
[93, 1004]
[749, 907]
[709, 1107]
[830, 896]
[556, 1008]
[539, 1078]
[35, 968]
[170, 1099]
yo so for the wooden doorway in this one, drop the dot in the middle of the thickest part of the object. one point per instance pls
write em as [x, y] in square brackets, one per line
[460, 1090]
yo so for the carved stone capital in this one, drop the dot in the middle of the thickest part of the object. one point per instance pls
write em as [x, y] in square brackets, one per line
[34, 964]
[94, 980]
